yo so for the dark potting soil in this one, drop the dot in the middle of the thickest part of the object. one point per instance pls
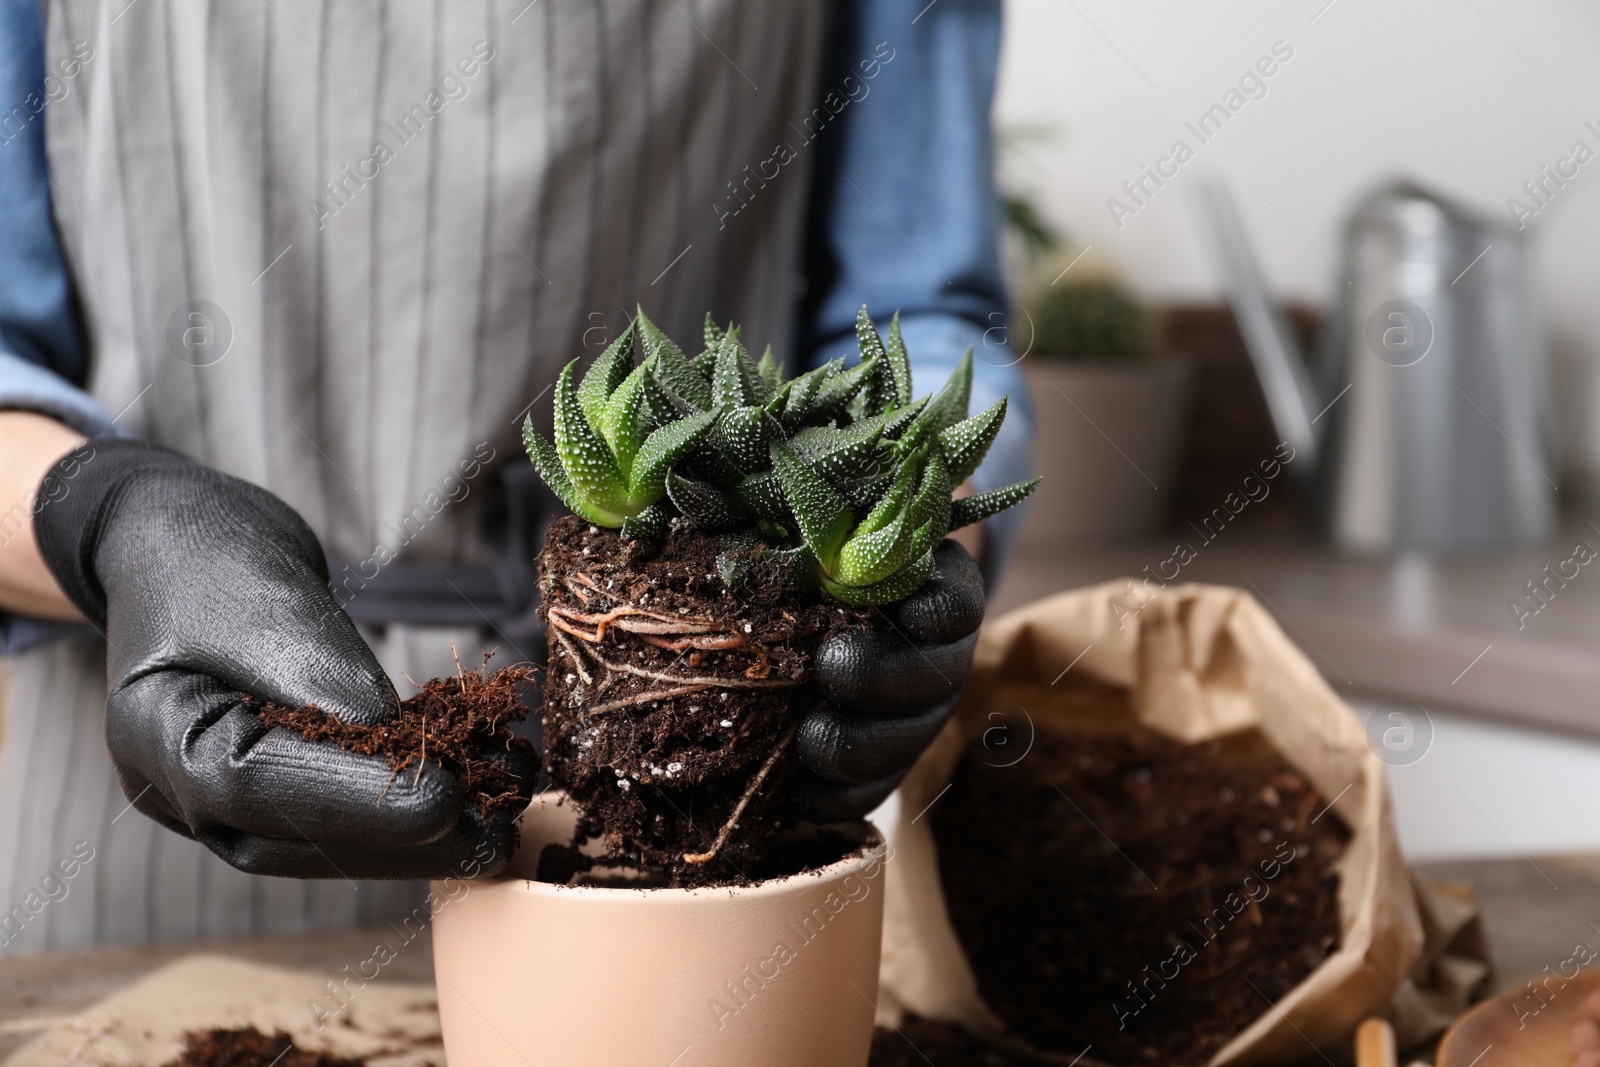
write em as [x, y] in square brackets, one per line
[669, 694]
[919, 1042]
[1139, 895]
[251, 1048]
[790, 854]
[455, 722]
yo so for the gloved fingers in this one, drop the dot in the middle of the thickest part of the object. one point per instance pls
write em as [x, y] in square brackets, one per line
[211, 762]
[474, 849]
[818, 800]
[293, 646]
[885, 672]
[857, 749]
[949, 606]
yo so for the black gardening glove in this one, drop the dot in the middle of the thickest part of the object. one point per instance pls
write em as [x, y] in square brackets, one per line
[206, 586]
[889, 692]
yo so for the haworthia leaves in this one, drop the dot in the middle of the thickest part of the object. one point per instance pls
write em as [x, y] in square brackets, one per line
[649, 525]
[608, 371]
[671, 370]
[899, 363]
[586, 457]
[980, 506]
[822, 514]
[705, 505]
[948, 407]
[836, 474]
[548, 463]
[897, 586]
[624, 421]
[967, 442]
[661, 450]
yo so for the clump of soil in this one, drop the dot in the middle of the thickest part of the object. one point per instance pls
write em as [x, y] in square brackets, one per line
[918, 1042]
[454, 722]
[672, 699]
[1155, 898]
[251, 1048]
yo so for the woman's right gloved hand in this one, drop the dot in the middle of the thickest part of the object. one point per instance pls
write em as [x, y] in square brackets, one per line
[207, 587]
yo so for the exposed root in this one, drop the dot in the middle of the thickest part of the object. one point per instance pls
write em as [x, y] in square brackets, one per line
[749, 794]
[709, 644]
[575, 656]
[707, 680]
[645, 698]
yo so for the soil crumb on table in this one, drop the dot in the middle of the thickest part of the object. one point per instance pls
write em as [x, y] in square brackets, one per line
[251, 1048]
[672, 698]
[1147, 897]
[918, 1042]
[456, 722]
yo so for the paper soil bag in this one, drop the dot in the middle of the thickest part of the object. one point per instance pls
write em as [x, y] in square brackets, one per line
[1197, 662]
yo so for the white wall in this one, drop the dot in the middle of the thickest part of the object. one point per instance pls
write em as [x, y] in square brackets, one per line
[1470, 95]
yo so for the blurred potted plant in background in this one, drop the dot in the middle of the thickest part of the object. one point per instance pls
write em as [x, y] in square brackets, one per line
[1110, 408]
[1110, 405]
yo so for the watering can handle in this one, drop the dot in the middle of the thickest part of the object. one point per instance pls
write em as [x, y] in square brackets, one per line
[1375, 1044]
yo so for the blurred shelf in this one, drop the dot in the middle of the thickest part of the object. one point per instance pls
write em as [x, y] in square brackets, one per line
[1436, 631]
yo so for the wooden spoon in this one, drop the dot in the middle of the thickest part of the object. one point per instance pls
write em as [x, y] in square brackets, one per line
[1522, 1027]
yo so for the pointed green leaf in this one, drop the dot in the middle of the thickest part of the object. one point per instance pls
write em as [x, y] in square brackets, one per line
[649, 525]
[867, 337]
[671, 369]
[803, 390]
[762, 494]
[838, 391]
[867, 558]
[897, 586]
[712, 334]
[770, 369]
[705, 505]
[932, 502]
[899, 363]
[548, 463]
[980, 506]
[624, 421]
[661, 450]
[736, 381]
[967, 442]
[948, 407]
[839, 455]
[822, 514]
[898, 497]
[608, 371]
[741, 438]
[586, 457]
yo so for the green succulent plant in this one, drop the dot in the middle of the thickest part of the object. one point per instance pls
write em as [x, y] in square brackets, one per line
[842, 476]
[1091, 318]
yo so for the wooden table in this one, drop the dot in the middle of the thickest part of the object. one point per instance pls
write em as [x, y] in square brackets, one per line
[50, 984]
[1536, 910]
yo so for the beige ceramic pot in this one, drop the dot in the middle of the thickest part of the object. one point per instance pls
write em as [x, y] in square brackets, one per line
[1107, 439]
[780, 974]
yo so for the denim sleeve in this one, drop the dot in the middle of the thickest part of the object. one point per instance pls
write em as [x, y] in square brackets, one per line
[904, 214]
[43, 361]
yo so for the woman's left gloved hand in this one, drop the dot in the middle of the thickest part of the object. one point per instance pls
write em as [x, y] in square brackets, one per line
[889, 692]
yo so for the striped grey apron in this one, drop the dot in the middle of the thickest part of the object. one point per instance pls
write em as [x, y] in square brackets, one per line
[337, 248]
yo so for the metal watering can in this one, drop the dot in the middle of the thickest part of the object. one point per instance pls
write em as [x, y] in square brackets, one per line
[1425, 423]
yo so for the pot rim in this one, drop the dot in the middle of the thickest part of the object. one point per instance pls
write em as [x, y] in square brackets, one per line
[873, 850]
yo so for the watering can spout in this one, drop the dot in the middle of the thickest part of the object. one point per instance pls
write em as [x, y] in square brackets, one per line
[1293, 400]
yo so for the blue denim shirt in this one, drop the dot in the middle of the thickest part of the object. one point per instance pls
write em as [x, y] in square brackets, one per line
[903, 215]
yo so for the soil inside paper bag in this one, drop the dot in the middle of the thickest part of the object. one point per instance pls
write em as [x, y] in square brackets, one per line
[1145, 897]
[918, 1042]
[251, 1048]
